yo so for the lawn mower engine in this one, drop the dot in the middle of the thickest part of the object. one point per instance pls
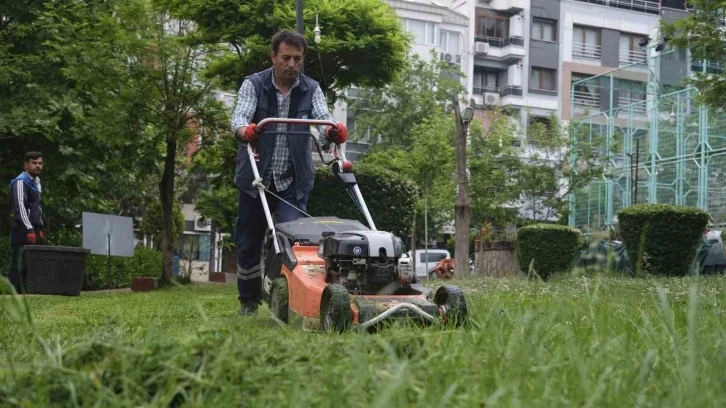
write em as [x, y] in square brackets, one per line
[366, 262]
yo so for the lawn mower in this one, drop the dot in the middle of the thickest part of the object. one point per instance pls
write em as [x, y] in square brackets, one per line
[332, 274]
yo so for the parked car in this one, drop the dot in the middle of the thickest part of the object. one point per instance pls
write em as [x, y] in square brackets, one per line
[425, 266]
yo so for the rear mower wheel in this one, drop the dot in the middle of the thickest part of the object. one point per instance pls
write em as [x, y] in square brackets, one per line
[335, 313]
[279, 299]
[452, 305]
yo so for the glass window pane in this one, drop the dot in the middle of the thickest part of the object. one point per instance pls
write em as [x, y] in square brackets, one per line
[548, 32]
[537, 30]
[204, 247]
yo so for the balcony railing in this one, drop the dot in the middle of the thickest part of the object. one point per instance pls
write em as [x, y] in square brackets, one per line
[501, 42]
[632, 57]
[711, 67]
[634, 103]
[504, 91]
[644, 6]
[587, 99]
[586, 51]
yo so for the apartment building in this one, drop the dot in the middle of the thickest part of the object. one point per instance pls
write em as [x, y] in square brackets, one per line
[434, 26]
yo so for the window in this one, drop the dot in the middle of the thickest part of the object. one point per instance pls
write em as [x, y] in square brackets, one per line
[586, 93]
[492, 25]
[543, 79]
[485, 80]
[423, 31]
[544, 30]
[432, 256]
[586, 42]
[198, 247]
[449, 41]
[630, 49]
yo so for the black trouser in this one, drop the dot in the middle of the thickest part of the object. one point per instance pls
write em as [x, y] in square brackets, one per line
[249, 232]
[16, 273]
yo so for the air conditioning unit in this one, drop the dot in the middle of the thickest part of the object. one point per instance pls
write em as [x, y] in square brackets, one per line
[451, 58]
[202, 223]
[491, 98]
[481, 47]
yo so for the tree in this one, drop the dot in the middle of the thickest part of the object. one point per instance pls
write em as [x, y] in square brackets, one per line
[391, 112]
[493, 164]
[151, 91]
[429, 163]
[45, 107]
[702, 33]
[363, 43]
[545, 175]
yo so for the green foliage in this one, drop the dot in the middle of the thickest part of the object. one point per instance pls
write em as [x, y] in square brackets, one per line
[548, 177]
[430, 163]
[145, 262]
[362, 41]
[548, 248]
[662, 239]
[391, 198]
[151, 224]
[701, 33]
[493, 163]
[393, 111]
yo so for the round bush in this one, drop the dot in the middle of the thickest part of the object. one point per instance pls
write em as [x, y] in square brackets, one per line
[662, 239]
[553, 248]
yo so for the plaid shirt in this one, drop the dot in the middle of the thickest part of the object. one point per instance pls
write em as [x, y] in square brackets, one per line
[280, 168]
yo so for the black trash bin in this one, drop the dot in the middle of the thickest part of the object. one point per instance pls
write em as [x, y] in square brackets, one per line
[54, 270]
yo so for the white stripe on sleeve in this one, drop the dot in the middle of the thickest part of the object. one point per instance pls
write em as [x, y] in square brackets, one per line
[19, 190]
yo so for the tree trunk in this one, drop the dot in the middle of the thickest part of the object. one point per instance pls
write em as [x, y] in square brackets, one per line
[462, 208]
[166, 191]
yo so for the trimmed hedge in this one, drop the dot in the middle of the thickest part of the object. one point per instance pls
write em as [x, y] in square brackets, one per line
[669, 235]
[145, 262]
[553, 248]
[391, 198]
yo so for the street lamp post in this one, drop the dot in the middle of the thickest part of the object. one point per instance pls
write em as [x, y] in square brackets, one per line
[300, 28]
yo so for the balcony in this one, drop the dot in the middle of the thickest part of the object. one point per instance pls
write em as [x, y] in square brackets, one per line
[587, 100]
[634, 103]
[633, 57]
[501, 49]
[508, 96]
[643, 6]
[586, 51]
[714, 68]
[509, 6]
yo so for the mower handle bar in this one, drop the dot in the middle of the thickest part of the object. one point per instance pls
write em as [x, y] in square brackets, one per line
[312, 122]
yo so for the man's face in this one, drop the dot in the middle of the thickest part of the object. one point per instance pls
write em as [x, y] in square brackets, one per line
[34, 166]
[287, 60]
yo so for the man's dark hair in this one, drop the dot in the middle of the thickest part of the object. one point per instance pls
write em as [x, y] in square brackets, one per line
[289, 37]
[33, 156]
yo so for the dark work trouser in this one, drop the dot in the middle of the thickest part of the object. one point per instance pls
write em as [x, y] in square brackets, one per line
[18, 239]
[249, 231]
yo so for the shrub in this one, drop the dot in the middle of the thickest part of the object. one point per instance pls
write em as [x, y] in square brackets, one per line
[662, 239]
[145, 262]
[391, 198]
[553, 248]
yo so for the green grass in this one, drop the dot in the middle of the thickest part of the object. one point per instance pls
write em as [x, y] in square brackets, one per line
[581, 342]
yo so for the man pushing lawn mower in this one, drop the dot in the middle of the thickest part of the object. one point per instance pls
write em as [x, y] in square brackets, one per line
[315, 272]
[285, 162]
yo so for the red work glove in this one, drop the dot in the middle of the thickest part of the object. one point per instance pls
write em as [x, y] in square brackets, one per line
[252, 134]
[338, 134]
[30, 238]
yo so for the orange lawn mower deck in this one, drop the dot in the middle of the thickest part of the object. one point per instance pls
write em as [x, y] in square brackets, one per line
[332, 274]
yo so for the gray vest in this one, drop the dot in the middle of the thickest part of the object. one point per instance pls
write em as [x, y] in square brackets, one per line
[301, 106]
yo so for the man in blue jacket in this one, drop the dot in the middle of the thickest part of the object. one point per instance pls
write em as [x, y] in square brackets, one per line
[285, 161]
[27, 229]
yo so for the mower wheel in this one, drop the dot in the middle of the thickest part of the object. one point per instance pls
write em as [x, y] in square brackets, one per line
[335, 313]
[452, 305]
[279, 299]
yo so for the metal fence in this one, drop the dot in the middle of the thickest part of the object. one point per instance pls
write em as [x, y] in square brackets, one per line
[656, 144]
